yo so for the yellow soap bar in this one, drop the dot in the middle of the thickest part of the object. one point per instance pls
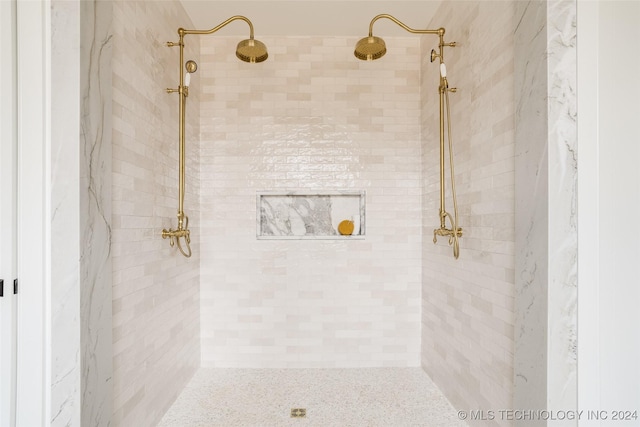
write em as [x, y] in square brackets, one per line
[346, 227]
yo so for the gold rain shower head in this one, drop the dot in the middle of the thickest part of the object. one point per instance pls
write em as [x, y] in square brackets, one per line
[370, 48]
[252, 51]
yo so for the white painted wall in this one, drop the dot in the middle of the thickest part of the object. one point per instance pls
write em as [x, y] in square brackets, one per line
[609, 206]
[7, 211]
[33, 242]
[619, 204]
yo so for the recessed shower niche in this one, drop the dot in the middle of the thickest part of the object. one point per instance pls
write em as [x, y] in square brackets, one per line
[304, 215]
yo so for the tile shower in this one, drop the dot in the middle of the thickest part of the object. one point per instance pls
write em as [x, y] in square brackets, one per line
[311, 118]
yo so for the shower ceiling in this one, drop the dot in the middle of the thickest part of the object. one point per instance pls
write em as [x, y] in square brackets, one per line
[311, 17]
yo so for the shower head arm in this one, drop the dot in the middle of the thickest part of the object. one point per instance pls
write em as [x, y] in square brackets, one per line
[182, 32]
[438, 32]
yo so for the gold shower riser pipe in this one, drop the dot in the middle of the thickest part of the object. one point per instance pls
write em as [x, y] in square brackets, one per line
[372, 48]
[183, 91]
[443, 211]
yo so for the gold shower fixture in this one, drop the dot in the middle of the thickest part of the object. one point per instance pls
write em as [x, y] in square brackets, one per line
[371, 48]
[249, 50]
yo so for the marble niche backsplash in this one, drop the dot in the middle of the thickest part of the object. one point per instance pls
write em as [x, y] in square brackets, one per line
[309, 216]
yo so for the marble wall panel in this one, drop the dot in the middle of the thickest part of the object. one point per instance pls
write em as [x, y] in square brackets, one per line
[66, 363]
[546, 227]
[563, 233]
[95, 212]
[81, 361]
[532, 206]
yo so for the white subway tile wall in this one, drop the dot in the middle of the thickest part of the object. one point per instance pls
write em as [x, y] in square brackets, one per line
[156, 336]
[468, 304]
[311, 118]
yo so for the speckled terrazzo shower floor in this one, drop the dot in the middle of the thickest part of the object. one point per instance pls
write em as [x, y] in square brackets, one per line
[383, 397]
